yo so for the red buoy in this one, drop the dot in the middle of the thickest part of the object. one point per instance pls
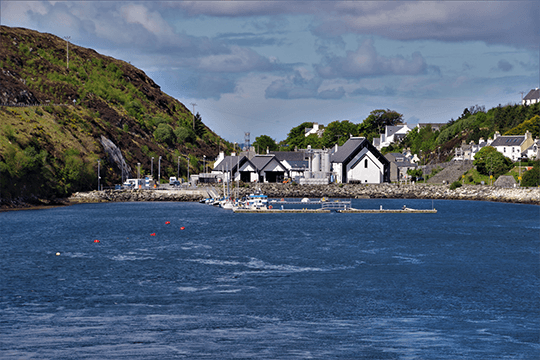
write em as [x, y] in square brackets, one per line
[167, 222]
[182, 228]
[153, 234]
[96, 241]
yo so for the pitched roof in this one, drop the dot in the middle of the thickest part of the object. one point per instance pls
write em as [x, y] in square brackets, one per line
[345, 151]
[533, 95]
[260, 161]
[289, 155]
[505, 181]
[512, 140]
[298, 164]
[229, 163]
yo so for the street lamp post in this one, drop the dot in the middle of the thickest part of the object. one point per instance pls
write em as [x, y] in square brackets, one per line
[187, 158]
[204, 164]
[159, 169]
[178, 172]
[67, 50]
[152, 167]
[138, 170]
[98, 177]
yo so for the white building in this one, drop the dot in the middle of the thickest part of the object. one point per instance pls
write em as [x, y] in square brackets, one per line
[391, 135]
[532, 97]
[358, 161]
[532, 151]
[512, 146]
[314, 130]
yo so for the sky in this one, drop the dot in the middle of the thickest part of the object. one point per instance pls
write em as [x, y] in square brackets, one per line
[264, 67]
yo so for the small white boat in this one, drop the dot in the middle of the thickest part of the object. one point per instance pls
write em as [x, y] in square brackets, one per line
[255, 201]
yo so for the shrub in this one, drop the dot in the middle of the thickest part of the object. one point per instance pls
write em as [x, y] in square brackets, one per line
[531, 177]
[164, 134]
[184, 135]
[455, 185]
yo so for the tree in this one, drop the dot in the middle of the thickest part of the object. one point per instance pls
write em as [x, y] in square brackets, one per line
[313, 140]
[489, 161]
[374, 124]
[338, 132]
[199, 126]
[297, 135]
[263, 142]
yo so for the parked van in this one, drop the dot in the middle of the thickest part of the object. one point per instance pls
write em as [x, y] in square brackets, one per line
[173, 181]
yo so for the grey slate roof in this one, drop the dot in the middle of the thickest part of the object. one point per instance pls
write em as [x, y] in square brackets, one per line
[229, 163]
[289, 155]
[260, 161]
[391, 130]
[533, 95]
[345, 151]
[298, 164]
[512, 140]
[506, 181]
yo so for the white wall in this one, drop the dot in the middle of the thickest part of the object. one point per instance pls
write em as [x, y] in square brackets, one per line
[356, 170]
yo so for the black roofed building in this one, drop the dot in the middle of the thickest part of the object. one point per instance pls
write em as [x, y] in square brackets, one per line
[358, 161]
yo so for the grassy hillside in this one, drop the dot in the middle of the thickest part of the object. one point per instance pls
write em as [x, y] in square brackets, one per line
[53, 119]
[473, 124]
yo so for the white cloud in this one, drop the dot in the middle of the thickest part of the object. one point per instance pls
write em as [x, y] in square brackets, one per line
[365, 61]
[504, 22]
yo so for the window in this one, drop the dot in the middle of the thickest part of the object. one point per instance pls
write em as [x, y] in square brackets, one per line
[365, 163]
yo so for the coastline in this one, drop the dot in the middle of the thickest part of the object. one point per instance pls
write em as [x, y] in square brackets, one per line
[343, 191]
[351, 191]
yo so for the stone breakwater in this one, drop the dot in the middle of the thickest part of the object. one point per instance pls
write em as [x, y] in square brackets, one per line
[417, 191]
[137, 195]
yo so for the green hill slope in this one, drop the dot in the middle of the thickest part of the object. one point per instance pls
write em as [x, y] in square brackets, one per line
[54, 120]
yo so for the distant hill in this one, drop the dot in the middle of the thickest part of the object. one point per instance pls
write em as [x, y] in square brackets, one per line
[474, 123]
[54, 120]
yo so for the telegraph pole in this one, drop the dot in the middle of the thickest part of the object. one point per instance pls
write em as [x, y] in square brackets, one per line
[193, 114]
[67, 50]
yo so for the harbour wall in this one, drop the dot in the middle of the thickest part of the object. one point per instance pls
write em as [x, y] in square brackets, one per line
[353, 191]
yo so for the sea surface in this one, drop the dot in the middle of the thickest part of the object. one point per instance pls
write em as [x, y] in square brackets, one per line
[460, 284]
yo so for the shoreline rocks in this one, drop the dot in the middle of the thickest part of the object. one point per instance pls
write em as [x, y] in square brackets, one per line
[352, 191]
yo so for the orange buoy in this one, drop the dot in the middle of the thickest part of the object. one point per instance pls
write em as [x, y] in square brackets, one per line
[96, 241]
[182, 228]
[153, 234]
[167, 222]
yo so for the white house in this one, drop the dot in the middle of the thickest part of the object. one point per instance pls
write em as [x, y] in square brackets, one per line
[512, 146]
[391, 135]
[314, 130]
[358, 161]
[532, 97]
[532, 151]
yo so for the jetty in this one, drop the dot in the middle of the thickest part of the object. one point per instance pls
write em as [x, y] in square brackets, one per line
[281, 211]
[388, 211]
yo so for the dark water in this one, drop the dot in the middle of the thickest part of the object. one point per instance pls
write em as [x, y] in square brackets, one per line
[460, 284]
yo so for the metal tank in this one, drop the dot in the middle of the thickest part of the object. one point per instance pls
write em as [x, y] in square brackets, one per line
[325, 162]
[316, 162]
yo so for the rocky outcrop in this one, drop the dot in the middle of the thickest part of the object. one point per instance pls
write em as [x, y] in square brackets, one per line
[417, 191]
